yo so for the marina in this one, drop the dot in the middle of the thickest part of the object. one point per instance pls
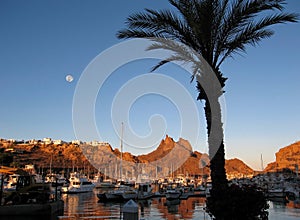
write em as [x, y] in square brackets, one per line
[178, 197]
[118, 111]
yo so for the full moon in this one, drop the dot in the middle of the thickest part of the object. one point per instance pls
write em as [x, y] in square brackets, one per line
[69, 78]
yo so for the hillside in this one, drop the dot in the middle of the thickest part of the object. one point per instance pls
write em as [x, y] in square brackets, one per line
[169, 157]
[236, 168]
[286, 158]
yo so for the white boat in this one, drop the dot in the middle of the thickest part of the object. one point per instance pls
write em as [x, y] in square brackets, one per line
[78, 185]
[55, 179]
[11, 183]
[122, 192]
[103, 183]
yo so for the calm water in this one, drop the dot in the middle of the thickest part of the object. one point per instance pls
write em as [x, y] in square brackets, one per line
[86, 206]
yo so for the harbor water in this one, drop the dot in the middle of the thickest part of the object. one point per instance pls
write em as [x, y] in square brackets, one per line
[87, 206]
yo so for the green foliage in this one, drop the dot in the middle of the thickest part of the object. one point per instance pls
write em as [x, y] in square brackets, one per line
[247, 203]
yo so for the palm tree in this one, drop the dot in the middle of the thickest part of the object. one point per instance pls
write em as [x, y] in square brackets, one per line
[216, 30]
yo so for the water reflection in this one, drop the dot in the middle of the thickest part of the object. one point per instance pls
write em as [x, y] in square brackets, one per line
[284, 210]
[87, 206]
[180, 209]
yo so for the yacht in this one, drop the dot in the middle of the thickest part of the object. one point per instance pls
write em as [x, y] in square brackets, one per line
[78, 184]
[11, 183]
[55, 179]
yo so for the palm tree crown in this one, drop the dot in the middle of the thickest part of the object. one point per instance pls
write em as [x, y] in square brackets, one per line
[216, 29]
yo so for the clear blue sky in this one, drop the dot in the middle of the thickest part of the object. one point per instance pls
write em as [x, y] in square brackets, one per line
[43, 41]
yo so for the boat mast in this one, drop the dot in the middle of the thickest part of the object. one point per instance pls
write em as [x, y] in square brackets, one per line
[121, 151]
[51, 165]
[262, 162]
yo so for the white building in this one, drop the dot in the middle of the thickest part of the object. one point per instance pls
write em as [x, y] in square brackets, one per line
[57, 142]
[78, 142]
[99, 143]
[47, 141]
[33, 141]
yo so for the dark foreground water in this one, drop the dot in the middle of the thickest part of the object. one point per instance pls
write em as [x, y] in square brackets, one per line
[86, 206]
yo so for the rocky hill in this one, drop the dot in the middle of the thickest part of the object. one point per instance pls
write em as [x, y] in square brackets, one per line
[169, 158]
[286, 158]
[236, 168]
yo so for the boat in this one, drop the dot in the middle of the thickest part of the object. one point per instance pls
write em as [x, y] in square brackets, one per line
[128, 194]
[122, 193]
[173, 193]
[78, 184]
[11, 183]
[208, 189]
[110, 195]
[144, 191]
[106, 184]
[56, 180]
[276, 193]
[292, 190]
[29, 199]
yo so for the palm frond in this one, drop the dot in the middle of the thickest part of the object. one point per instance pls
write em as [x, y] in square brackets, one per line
[241, 19]
[253, 33]
[215, 29]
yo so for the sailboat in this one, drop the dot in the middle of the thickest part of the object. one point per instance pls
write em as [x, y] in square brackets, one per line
[106, 183]
[78, 184]
[123, 192]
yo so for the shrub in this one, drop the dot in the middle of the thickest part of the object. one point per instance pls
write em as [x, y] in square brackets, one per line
[235, 203]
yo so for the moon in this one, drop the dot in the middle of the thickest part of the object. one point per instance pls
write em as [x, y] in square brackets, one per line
[69, 78]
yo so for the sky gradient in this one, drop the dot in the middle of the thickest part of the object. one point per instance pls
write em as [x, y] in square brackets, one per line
[43, 41]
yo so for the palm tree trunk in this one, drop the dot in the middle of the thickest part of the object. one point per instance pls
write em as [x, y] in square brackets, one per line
[215, 135]
[213, 114]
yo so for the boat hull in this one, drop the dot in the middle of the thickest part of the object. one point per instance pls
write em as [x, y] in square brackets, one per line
[109, 196]
[171, 196]
[129, 195]
[276, 194]
[74, 190]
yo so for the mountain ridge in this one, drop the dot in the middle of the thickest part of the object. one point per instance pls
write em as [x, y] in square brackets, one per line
[174, 157]
[168, 158]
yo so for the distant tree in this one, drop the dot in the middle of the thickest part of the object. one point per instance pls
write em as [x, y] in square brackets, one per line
[6, 158]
